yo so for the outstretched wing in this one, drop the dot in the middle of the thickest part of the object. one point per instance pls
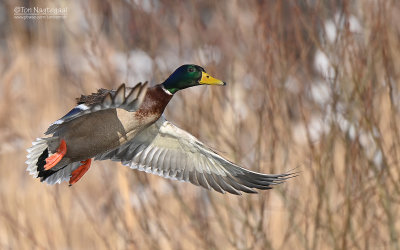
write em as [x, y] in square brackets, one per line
[124, 97]
[171, 152]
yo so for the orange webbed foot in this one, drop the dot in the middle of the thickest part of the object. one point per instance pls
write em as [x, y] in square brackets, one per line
[80, 171]
[57, 156]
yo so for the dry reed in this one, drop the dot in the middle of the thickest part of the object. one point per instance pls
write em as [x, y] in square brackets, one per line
[311, 84]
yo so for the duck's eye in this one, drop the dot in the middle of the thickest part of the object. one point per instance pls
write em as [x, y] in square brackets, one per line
[191, 69]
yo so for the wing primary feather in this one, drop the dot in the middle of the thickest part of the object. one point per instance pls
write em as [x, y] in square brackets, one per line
[107, 101]
[234, 183]
[133, 94]
[185, 174]
[266, 177]
[229, 166]
[225, 186]
[142, 92]
[119, 96]
[201, 180]
[250, 183]
[193, 178]
[213, 184]
[213, 165]
[255, 181]
[207, 166]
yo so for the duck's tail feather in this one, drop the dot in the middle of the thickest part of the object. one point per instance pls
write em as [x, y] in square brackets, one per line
[37, 154]
[57, 176]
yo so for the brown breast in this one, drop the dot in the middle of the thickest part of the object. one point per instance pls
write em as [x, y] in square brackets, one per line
[154, 104]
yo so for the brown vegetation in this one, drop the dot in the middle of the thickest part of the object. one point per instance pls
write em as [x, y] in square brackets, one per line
[311, 84]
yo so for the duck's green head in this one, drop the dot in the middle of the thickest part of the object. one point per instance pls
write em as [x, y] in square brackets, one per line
[189, 75]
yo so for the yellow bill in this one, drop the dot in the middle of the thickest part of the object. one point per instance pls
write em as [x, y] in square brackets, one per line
[209, 80]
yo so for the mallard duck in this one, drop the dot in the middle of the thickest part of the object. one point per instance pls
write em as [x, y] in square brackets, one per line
[127, 125]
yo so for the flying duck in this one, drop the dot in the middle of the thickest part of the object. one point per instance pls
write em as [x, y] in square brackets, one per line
[127, 125]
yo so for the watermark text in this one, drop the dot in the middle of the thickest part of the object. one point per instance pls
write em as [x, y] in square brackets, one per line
[39, 13]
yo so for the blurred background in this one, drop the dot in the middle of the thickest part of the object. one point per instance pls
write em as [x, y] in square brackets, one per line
[311, 84]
